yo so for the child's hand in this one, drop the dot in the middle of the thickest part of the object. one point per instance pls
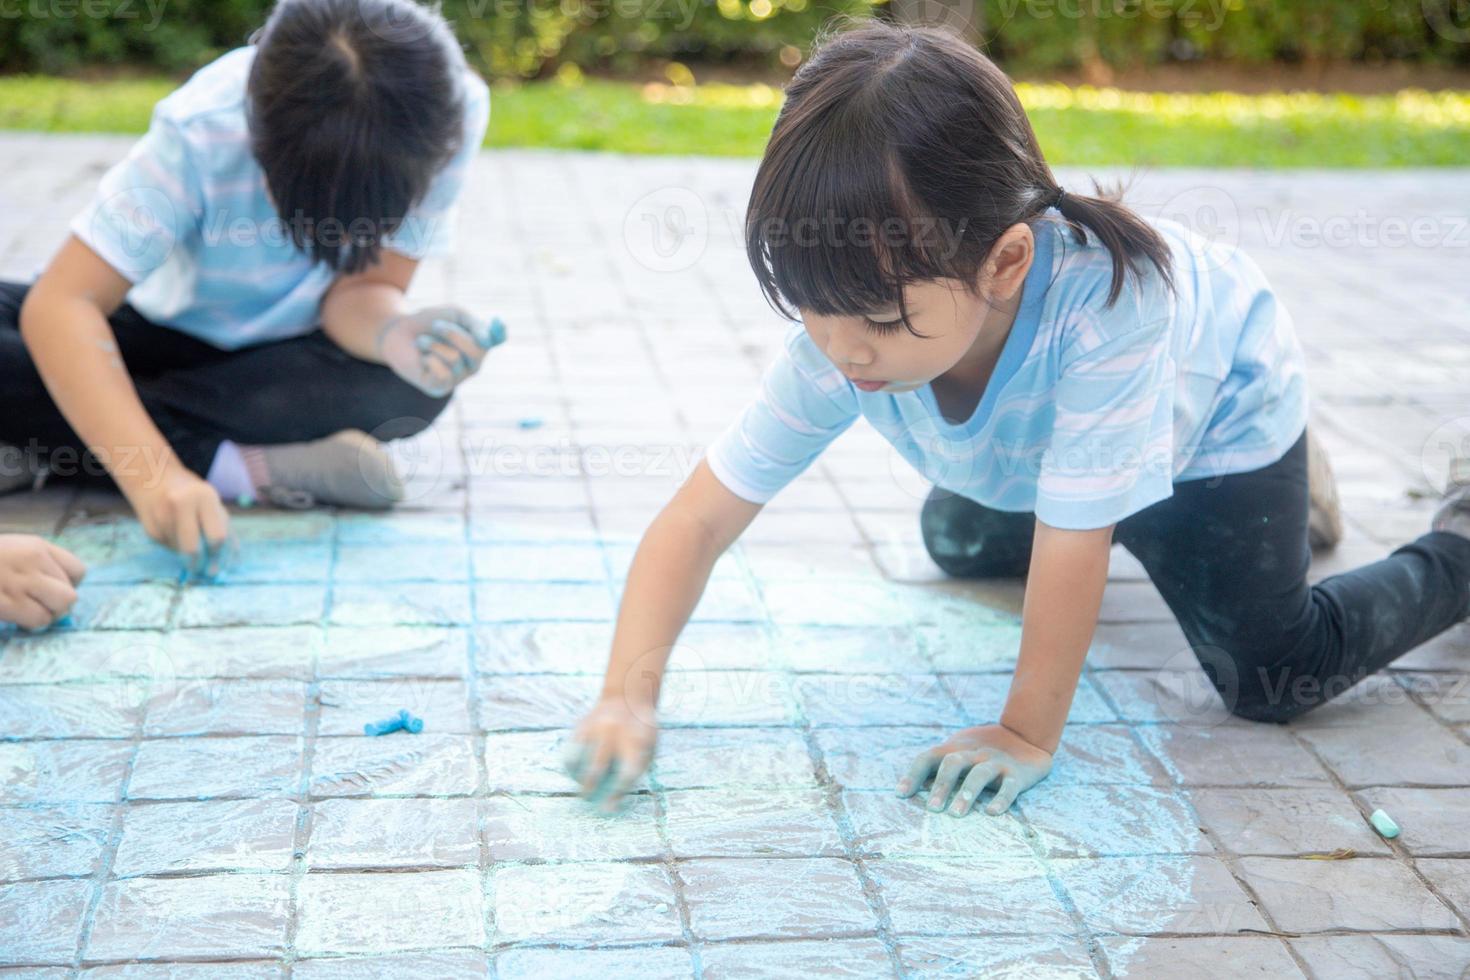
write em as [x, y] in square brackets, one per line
[436, 348]
[987, 753]
[184, 514]
[38, 581]
[614, 743]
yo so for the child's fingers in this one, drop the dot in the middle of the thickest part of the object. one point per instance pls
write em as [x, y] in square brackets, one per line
[594, 772]
[436, 374]
[50, 567]
[30, 614]
[631, 764]
[225, 556]
[214, 522]
[944, 779]
[71, 566]
[484, 335]
[459, 337]
[199, 567]
[1010, 788]
[454, 346]
[431, 346]
[186, 536]
[922, 768]
[980, 777]
[54, 593]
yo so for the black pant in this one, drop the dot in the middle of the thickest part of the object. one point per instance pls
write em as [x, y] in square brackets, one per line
[1229, 555]
[198, 395]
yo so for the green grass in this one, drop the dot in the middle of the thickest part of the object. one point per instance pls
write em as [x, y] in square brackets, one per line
[1077, 125]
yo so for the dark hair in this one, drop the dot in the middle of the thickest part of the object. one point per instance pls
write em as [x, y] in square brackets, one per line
[913, 130]
[354, 106]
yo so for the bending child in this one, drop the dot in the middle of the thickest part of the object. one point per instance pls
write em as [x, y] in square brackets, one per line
[263, 234]
[1067, 374]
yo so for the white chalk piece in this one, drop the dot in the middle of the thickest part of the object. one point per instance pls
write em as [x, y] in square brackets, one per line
[1384, 824]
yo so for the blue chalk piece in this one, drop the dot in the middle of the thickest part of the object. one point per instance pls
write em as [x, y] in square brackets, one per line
[1384, 824]
[65, 622]
[497, 334]
[383, 727]
[208, 555]
[403, 721]
[530, 422]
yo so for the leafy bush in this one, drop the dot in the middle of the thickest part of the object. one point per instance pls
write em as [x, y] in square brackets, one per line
[527, 38]
[530, 38]
[1036, 35]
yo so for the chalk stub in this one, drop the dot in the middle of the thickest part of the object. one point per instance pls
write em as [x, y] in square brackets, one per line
[401, 722]
[1384, 824]
[385, 727]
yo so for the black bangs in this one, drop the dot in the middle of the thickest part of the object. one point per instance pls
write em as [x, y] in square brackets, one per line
[833, 227]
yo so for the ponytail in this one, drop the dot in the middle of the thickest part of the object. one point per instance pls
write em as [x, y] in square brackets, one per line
[1126, 236]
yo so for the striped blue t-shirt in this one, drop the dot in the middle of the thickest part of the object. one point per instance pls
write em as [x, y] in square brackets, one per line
[1091, 413]
[186, 217]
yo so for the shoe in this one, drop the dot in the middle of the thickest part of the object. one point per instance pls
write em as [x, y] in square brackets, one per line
[1324, 513]
[348, 469]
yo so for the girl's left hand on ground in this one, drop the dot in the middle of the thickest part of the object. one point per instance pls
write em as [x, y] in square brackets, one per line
[38, 581]
[986, 753]
[436, 348]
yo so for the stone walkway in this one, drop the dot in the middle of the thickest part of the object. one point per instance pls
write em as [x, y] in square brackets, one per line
[183, 778]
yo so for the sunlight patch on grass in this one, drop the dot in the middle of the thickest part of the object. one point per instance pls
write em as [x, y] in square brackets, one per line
[1077, 125]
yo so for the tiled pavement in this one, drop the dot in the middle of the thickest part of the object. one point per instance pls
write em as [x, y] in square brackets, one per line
[181, 778]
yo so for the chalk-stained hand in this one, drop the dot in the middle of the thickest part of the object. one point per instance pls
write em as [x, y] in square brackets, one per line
[987, 753]
[435, 349]
[184, 514]
[38, 581]
[611, 748]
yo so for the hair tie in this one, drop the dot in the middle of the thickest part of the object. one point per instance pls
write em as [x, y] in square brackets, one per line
[1056, 202]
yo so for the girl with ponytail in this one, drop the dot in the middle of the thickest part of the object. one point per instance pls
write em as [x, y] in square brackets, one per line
[1066, 374]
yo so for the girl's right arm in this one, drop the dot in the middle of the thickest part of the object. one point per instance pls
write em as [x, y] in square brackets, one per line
[668, 576]
[64, 324]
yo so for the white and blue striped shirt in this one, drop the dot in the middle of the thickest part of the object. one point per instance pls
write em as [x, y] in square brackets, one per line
[1091, 414]
[186, 217]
